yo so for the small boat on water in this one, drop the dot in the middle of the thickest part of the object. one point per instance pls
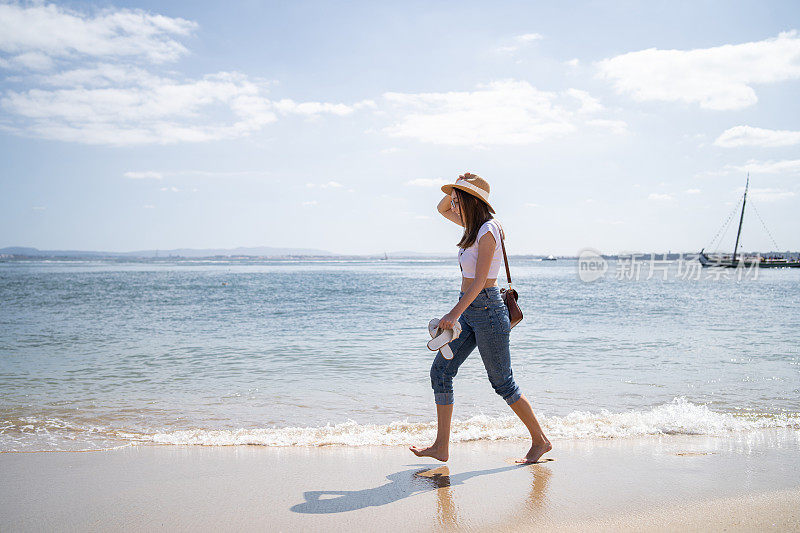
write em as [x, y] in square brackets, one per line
[549, 258]
[746, 261]
[731, 261]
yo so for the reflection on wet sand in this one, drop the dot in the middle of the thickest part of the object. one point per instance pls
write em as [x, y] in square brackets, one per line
[447, 510]
[537, 498]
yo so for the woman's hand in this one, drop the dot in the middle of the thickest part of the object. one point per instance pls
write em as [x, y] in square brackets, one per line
[448, 320]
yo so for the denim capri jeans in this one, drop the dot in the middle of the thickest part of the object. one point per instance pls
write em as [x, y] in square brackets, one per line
[484, 324]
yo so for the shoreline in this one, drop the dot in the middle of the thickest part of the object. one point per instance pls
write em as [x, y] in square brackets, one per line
[678, 417]
[741, 481]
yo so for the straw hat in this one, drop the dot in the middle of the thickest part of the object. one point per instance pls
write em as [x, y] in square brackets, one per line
[471, 184]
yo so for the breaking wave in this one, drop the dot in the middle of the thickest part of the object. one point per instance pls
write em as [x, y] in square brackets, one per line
[678, 417]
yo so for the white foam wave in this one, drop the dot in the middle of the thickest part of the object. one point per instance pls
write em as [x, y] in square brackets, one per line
[677, 417]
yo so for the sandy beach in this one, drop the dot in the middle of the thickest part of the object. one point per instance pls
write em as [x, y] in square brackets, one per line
[744, 481]
[225, 233]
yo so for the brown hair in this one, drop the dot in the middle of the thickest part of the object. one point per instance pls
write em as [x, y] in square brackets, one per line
[474, 213]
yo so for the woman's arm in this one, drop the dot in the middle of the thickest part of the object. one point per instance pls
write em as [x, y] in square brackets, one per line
[447, 212]
[486, 248]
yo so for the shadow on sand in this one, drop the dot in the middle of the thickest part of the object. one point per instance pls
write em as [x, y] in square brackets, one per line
[401, 485]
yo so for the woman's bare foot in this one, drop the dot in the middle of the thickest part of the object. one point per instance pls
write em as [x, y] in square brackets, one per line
[535, 453]
[439, 453]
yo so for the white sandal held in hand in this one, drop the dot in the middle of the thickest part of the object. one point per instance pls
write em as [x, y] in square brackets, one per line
[441, 338]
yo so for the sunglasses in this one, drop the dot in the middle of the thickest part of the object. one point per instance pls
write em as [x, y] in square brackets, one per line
[453, 204]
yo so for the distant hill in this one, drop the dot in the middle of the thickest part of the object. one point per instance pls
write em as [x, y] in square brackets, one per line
[271, 252]
[407, 254]
[260, 251]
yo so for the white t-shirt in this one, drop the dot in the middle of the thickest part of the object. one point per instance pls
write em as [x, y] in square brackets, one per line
[468, 257]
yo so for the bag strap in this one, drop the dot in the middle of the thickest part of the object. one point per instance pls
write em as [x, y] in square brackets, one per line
[505, 257]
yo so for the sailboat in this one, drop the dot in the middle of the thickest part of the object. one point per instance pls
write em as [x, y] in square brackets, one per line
[758, 261]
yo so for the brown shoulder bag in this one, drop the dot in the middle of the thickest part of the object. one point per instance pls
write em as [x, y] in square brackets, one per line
[510, 295]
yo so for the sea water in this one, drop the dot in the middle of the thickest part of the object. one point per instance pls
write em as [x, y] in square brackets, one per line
[102, 354]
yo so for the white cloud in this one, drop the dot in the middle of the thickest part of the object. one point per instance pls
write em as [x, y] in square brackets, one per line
[589, 104]
[718, 78]
[38, 208]
[124, 105]
[786, 166]
[144, 175]
[31, 61]
[165, 112]
[617, 127]
[574, 62]
[660, 197]
[103, 90]
[328, 185]
[503, 112]
[711, 173]
[528, 37]
[530, 204]
[287, 106]
[219, 174]
[767, 194]
[519, 41]
[160, 174]
[149, 206]
[749, 136]
[427, 182]
[309, 203]
[692, 191]
[57, 32]
[172, 189]
[102, 75]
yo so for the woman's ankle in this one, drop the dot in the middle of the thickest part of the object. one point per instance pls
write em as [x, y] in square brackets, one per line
[539, 440]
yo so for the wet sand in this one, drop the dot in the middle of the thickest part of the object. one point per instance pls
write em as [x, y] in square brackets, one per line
[742, 482]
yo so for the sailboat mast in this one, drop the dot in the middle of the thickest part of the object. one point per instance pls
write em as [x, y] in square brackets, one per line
[741, 218]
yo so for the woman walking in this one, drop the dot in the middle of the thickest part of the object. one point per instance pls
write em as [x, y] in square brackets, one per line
[482, 315]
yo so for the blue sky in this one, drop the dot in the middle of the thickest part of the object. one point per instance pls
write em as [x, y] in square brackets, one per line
[623, 127]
